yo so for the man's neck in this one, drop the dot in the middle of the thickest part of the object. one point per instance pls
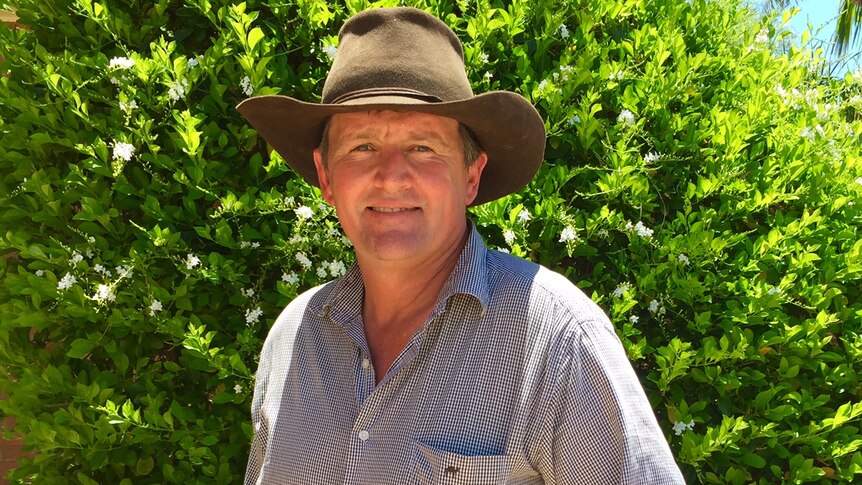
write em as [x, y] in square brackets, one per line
[398, 300]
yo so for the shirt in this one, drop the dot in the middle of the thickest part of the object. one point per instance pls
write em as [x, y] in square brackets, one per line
[516, 377]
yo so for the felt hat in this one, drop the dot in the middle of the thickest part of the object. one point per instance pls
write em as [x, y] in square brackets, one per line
[405, 59]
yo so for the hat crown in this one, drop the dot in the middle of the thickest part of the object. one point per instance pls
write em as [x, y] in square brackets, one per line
[400, 51]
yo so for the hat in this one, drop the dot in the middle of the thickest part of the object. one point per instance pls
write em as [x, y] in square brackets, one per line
[405, 59]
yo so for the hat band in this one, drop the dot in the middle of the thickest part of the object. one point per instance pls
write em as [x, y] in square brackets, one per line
[376, 92]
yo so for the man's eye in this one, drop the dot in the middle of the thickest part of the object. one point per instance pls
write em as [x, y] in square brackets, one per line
[422, 148]
[362, 148]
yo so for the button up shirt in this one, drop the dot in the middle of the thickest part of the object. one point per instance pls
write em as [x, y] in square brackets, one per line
[516, 377]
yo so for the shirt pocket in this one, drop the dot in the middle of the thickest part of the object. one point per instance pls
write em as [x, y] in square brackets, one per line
[442, 467]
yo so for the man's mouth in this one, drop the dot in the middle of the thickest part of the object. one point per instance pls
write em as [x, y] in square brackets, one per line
[391, 209]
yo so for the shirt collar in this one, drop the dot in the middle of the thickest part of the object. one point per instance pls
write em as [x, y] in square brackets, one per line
[469, 278]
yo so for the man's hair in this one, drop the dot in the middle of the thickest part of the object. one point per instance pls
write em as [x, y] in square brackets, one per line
[471, 147]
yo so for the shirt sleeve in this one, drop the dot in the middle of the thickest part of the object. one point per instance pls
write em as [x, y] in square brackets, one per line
[600, 427]
[261, 427]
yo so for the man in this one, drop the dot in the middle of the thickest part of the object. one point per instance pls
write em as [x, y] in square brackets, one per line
[434, 359]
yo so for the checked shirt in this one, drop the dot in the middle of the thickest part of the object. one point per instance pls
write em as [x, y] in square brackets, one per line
[516, 377]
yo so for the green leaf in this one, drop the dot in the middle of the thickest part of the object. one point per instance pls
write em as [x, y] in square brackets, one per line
[144, 466]
[254, 36]
[81, 347]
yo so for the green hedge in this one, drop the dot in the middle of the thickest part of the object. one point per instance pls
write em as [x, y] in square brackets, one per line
[703, 189]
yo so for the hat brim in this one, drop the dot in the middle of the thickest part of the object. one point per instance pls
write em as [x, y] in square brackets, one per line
[505, 124]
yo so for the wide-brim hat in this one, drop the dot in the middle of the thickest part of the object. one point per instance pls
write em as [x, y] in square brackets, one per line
[405, 59]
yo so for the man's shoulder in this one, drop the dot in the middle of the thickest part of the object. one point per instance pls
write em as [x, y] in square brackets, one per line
[307, 304]
[512, 272]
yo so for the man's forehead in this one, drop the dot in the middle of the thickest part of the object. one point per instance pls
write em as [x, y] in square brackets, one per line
[413, 119]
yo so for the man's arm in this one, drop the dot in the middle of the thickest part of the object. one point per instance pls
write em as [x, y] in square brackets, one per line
[600, 426]
[259, 424]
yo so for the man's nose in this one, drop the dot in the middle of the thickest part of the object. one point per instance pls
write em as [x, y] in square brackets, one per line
[393, 169]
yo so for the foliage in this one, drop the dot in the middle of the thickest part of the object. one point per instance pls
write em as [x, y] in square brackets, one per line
[698, 186]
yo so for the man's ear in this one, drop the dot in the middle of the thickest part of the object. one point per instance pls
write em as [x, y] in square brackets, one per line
[474, 175]
[323, 177]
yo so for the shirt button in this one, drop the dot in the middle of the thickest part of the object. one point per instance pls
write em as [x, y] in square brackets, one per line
[363, 435]
[365, 363]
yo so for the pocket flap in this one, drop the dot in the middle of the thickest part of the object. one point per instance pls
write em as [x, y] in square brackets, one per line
[436, 466]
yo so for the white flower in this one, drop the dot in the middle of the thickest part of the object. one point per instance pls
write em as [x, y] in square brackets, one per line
[762, 36]
[237, 388]
[774, 290]
[568, 234]
[75, 259]
[651, 157]
[303, 260]
[683, 258]
[626, 117]
[680, 427]
[123, 150]
[66, 282]
[543, 85]
[488, 75]
[102, 270]
[321, 271]
[859, 180]
[124, 271]
[484, 58]
[564, 31]
[524, 215]
[39, 272]
[255, 245]
[128, 107]
[303, 212]
[614, 76]
[289, 278]
[121, 63]
[643, 231]
[603, 233]
[89, 253]
[90, 239]
[509, 236]
[252, 316]
[248, 293]
[336, 268]
[155, 306]
[177, 90]
[808, 134]
[634, 318]
[244, 244]
[622, 289]
[575, 119]
[193, 62]
[245, 84]
[857, 75]
[330, 51]
[192, 261]
[104, 293]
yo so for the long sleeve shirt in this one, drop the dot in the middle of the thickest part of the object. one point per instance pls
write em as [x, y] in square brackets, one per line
[516, 377]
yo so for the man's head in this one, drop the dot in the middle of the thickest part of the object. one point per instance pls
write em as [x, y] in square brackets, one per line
[404, 59]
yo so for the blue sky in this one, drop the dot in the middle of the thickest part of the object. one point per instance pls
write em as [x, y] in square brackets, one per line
[822, 15]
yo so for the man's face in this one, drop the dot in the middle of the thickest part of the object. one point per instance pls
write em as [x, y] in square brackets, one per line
[398, 183]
